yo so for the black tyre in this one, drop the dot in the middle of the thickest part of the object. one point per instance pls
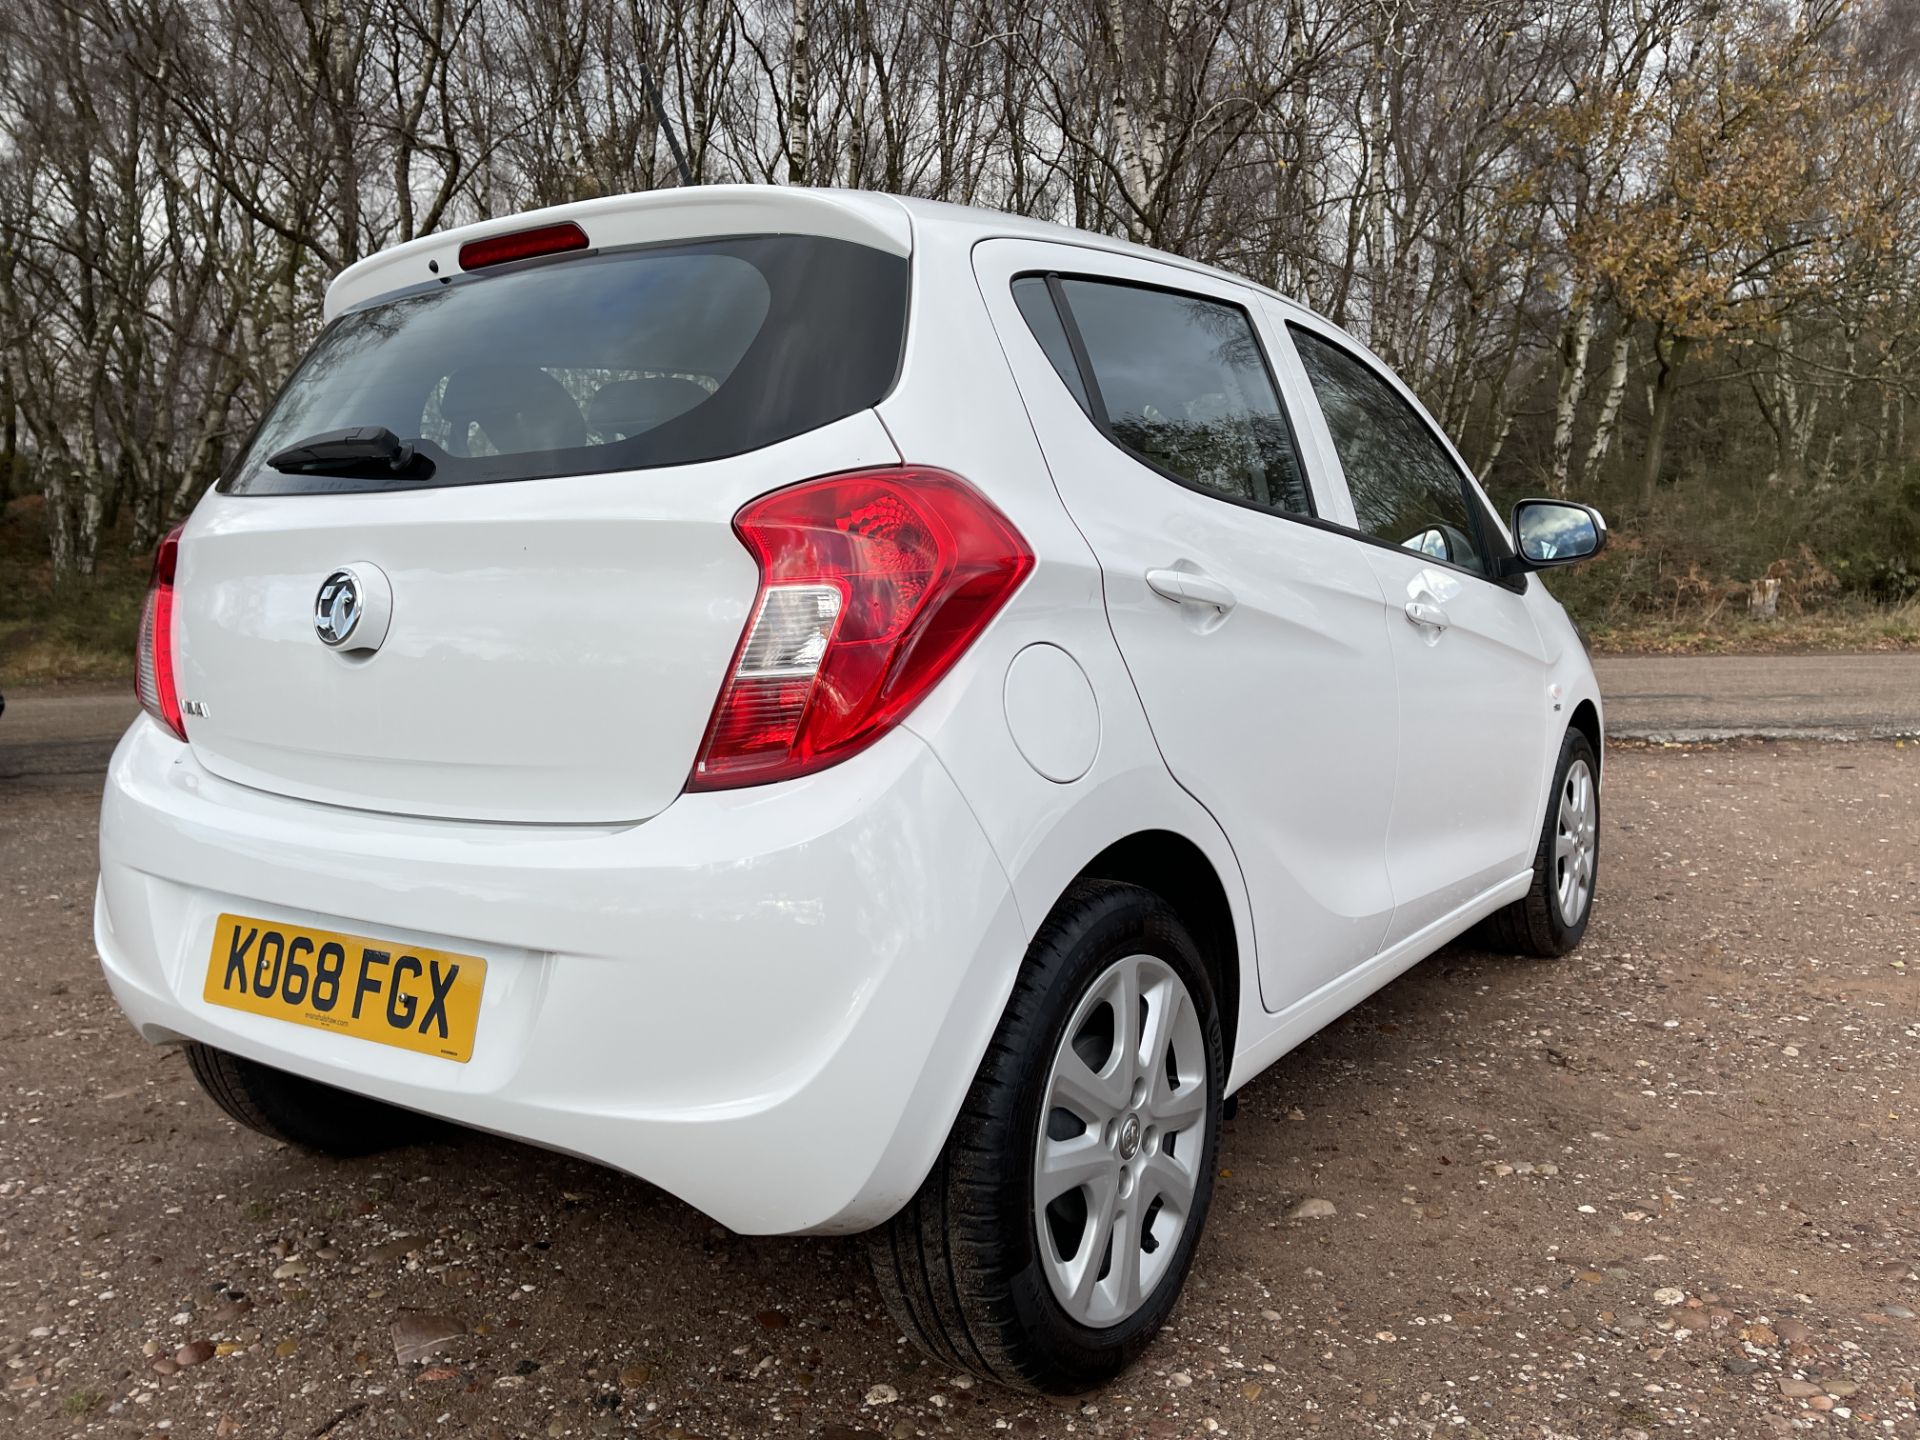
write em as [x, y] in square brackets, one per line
[299, 1111]
[1552, 916]
[1051, 1240]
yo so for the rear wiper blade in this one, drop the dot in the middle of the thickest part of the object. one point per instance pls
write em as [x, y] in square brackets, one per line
[354, 451]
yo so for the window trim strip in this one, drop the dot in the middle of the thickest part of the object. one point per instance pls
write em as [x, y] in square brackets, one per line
[1077, 347]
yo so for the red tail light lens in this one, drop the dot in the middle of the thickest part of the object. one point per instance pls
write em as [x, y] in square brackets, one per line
[872, 585]
[154, 670]
[522, 245]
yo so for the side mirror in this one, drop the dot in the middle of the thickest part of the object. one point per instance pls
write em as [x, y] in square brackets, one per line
[1555, 532]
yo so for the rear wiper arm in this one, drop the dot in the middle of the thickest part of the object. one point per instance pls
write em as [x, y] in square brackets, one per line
[353, 451]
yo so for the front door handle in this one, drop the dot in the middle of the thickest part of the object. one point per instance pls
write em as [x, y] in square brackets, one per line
[1187, 587]
[1427, 614]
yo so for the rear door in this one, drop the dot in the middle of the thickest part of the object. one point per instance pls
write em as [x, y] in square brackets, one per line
[1256, 638]
[1473, 700]
[564, 585]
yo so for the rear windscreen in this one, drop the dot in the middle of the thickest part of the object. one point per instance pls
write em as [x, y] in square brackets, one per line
[662, 355]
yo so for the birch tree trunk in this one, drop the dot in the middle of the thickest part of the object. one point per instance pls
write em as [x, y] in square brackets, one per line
[1609, 418]
[1575, 341]
[1883, 441]
[1126, 121]
[1791, 420]
[800, 94]
[862, 84]
[1375, 182]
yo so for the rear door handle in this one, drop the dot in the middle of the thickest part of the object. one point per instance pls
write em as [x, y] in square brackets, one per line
[1427, 614]
[1185, 587]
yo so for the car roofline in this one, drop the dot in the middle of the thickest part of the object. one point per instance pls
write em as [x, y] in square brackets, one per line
[867, 217]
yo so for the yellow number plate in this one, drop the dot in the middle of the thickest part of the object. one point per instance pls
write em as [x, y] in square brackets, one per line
[425, 1000]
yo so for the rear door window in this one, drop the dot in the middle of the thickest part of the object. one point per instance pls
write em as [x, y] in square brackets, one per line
[1185, 386]
[659, 355]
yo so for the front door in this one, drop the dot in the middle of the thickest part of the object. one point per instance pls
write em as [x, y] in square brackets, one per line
[1473, 701]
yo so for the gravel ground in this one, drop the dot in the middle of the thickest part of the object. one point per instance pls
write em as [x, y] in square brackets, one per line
[1664, 1186]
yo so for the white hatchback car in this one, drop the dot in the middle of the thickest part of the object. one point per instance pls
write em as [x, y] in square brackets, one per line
[867, 714]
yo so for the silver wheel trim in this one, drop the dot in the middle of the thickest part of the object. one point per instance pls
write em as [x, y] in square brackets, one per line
[1126, 1161]
[1576, 843]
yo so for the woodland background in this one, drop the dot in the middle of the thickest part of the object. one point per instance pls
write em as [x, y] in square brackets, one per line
[1658, 254]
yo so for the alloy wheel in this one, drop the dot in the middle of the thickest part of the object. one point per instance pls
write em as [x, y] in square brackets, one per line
[1121, 1140]
[1576, 843]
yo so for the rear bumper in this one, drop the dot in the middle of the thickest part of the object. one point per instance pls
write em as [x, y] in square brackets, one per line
[769, 1002]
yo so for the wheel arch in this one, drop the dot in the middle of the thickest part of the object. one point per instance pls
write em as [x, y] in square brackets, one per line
[1586, 719]
[1179, 872]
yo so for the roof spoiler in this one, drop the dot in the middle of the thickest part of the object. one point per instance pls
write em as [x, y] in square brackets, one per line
[703, 212]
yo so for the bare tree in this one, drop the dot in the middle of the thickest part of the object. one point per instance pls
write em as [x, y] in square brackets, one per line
[1554, 220]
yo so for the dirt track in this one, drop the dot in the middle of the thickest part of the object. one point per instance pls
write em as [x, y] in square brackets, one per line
[1717, 697]
[1669, 1185]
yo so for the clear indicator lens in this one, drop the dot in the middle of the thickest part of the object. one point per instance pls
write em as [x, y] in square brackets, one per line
[791, 632]
[146, 681]
[766, 700]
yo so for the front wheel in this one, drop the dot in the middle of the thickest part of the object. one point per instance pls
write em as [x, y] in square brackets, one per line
[1051, 1239]
[1552, 916]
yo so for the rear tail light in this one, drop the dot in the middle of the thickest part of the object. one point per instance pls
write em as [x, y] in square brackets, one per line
[872, 585]
[154, 669]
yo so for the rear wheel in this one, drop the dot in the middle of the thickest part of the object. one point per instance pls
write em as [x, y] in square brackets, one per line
[1051, 1240]
[298, 1111]
[1550, 919]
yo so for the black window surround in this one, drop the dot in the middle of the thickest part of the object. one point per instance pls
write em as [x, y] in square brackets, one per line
[1097, 401]
[1485, 533]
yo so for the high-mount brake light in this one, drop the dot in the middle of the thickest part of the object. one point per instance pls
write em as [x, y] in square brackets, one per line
[522, 245]
[872, 584]
[155, 671]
